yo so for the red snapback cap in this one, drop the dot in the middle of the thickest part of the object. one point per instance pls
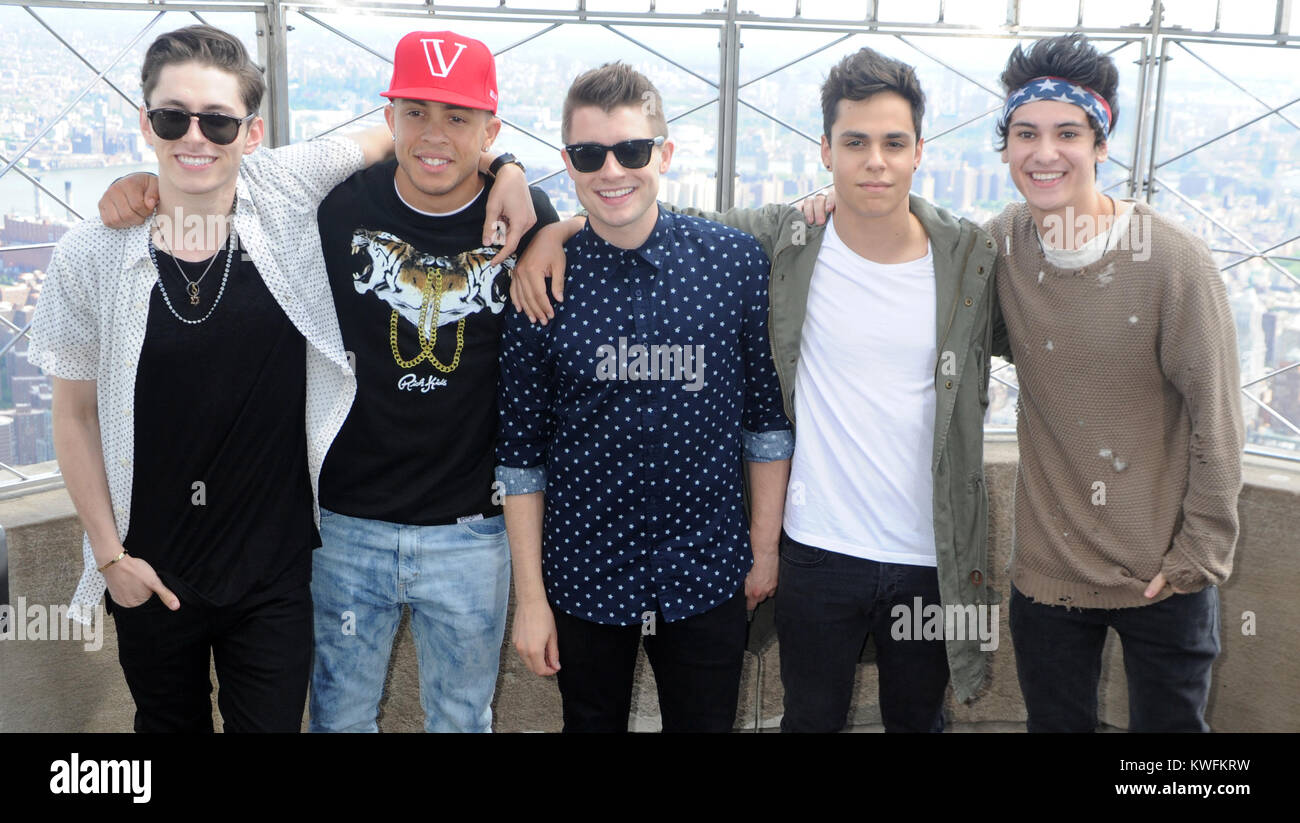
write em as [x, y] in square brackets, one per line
[444, 67]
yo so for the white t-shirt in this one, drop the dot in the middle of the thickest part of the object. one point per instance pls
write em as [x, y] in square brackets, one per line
[860, 482]
[1092, 251]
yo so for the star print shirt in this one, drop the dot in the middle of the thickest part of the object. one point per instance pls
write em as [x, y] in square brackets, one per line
[633, 410]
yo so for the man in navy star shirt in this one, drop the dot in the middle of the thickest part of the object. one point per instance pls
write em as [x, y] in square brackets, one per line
[631, 414]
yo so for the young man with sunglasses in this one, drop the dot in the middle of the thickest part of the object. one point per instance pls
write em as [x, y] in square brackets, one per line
[1128, 416]
[409, 515]
[881, 319]
[197, 384]
[624, 426]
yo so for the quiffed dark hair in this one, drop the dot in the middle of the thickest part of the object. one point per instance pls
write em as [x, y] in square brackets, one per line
[611, 86]
[1073, 58]
[865, 73]
[208, 46]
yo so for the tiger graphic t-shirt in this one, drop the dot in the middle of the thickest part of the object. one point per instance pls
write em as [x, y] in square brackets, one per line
[421, 313]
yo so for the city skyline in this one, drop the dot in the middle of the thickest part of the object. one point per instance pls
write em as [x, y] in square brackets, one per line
[1248, 181]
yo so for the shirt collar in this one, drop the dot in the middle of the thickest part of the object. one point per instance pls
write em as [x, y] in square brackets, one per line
[137, 246]
[654, 250]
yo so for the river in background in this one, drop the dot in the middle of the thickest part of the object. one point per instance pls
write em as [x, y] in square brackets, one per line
[17, 193]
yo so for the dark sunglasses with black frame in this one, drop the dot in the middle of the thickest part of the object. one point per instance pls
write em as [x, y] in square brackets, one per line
[630, 154]
[173, 124]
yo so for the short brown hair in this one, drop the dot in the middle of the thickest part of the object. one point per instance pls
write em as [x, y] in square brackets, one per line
[610, 86]
[207, 46]
[866, 73]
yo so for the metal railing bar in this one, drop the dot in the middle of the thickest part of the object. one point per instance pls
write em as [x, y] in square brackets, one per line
[660, 55]
[27, 247]
[10, 468]
[800, 59]
[1231, 233]
[1271, 374]
[962, 75]
[94, 5]
[11, 342]
[815, 191]
[1263, 253]
[64, 113]
[536, 137]
[361, 116]
[1231, 131]
[345, 36]
[1276, 455]
[1240, 87]
[77, 54]
[21, 330]
[780, 122]
[951, 129]
[1266, 407]
[533, 36]
[693, 109]
[38, 185]
[546, 177]
[1011, 386]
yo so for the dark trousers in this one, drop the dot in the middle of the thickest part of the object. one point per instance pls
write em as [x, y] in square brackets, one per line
[696, 661]
[261, 648]
[826, 605]
[1169, 649]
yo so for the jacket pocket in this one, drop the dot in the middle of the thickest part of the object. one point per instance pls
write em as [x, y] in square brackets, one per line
[981, 367]
[972, 554]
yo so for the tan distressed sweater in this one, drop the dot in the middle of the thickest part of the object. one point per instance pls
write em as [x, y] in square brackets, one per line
[1129, 415]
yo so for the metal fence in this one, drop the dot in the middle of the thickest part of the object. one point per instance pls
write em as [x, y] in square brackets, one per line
[1148, 49]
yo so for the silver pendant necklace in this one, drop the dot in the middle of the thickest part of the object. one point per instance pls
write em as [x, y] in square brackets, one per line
[192, 286]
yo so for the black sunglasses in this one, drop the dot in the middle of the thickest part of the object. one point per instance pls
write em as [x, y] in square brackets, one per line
[173, 124]
[630, 154]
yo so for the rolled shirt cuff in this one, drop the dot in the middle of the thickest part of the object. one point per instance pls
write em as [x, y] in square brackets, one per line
[521, 481]
[767, 447]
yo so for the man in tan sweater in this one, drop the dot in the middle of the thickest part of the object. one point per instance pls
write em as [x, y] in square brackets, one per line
[1129, 419]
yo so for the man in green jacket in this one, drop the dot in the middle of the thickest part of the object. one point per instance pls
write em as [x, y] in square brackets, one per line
[886, 514]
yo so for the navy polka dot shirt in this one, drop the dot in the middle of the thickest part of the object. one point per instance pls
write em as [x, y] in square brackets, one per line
[633, 410]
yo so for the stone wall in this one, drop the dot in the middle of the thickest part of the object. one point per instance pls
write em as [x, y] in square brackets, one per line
[60, 686]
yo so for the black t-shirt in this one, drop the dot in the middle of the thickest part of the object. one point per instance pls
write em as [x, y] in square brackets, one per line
[221, 501]
[421, 315]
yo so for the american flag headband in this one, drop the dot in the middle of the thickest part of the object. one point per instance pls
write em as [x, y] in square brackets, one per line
[1062, 90]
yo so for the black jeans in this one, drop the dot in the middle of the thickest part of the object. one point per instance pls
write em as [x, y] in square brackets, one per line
[827, 604]
[1169, 649]
[696, 661]
[261, 648]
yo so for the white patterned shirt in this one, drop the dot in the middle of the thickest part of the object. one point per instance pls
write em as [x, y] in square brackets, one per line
[90, 319]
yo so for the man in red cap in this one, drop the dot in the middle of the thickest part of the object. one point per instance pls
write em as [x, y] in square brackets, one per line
[409, 514]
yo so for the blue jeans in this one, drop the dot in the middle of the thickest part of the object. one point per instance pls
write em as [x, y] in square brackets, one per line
[1169, 649]
[455, 579]
[827, 604]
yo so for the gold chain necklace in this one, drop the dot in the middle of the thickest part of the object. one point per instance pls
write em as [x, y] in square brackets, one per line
[432, 288]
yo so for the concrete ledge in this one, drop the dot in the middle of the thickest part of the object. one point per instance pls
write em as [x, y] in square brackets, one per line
[60, 686]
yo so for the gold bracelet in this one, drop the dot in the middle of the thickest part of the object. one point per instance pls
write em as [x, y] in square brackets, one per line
[114, 560]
